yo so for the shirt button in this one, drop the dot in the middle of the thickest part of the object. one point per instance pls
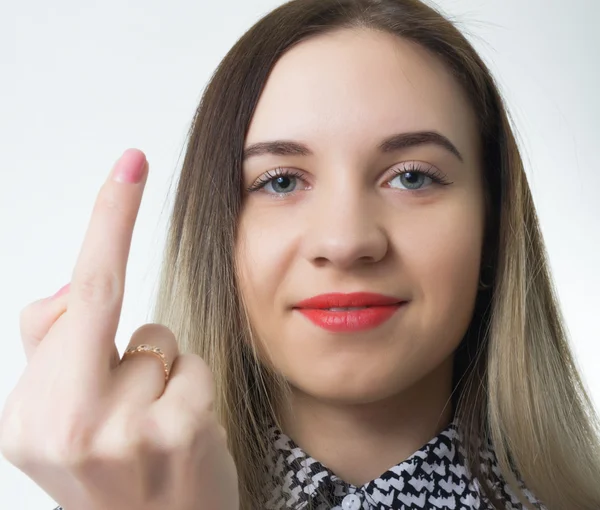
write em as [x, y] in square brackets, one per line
[351, 502]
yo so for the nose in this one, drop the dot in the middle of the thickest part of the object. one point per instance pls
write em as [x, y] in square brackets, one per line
[345, 231]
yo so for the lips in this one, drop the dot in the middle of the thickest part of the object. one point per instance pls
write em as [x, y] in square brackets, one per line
[357, 311]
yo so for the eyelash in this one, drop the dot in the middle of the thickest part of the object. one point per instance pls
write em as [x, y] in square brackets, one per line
[271, 175]
[434, 174]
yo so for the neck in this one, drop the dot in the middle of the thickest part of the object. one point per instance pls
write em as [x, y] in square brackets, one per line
[359, 442]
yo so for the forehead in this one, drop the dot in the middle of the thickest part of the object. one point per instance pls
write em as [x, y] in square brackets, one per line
[354, 86]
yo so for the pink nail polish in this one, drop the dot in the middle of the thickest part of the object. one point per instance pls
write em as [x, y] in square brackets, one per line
[62, 291]
[131, 167]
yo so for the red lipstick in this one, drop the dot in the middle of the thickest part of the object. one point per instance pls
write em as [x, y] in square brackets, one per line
[357, 311]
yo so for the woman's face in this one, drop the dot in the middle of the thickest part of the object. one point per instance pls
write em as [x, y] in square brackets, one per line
[337, 217]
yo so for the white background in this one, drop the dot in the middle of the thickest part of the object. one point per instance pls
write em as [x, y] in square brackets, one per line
[83, 81]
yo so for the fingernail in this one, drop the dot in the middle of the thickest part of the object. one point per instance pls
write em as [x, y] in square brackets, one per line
[62, 291]
[131, 167]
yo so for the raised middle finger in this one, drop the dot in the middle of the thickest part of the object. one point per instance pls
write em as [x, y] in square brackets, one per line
[97, 284]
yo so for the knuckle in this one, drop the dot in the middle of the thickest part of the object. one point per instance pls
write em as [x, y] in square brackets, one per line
[155, 329]
[25, 316]
[186, 436]
[195, 367]
[29, 320]
[123, 438]
[32, 325]
[176, 435]
[71, 444]
[97, 287]
[201, 373]
[198, 404]
[222, 435]
[12, 441]
[109, 201]
[197, 376]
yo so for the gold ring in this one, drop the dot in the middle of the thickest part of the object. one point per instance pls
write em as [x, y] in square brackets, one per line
[152, 350]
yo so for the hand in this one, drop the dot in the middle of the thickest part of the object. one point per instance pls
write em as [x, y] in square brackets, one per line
[97, 434]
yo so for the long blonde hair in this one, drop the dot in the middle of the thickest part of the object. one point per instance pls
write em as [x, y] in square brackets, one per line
[516, 384]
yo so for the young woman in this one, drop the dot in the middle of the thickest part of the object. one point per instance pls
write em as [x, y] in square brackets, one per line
[355, 309]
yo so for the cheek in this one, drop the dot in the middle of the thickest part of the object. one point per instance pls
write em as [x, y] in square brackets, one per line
[444, 258]
[264, 252]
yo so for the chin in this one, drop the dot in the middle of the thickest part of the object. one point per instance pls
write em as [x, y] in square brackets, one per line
[337, 387]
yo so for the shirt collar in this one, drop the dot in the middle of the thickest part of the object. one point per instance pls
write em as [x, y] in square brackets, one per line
[430, 471]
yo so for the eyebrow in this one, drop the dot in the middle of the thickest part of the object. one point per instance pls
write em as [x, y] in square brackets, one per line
[392, 143]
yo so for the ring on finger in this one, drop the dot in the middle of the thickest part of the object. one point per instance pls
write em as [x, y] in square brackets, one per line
[146, 348]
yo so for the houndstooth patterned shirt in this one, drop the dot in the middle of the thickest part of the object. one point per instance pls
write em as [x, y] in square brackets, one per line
[432, 478]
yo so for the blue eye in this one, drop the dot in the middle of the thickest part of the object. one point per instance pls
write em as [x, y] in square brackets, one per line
[282, 184]
[412, 178]
[279, 181]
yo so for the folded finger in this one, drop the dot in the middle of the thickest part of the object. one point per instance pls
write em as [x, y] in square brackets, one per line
[38, 317]
[191, 384]
[140, 377]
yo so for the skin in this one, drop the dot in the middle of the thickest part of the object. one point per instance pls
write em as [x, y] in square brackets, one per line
[95, 431]
[363, 401]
